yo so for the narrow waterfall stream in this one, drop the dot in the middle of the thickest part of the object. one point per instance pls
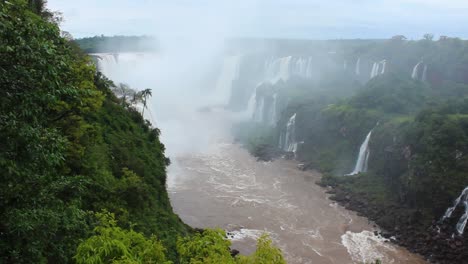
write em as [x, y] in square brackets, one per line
[363, 156]
[463, 200]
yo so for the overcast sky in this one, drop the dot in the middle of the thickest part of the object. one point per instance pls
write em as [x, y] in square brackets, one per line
[315, 19]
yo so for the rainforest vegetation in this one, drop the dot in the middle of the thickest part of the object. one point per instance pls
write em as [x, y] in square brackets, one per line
[83, 175]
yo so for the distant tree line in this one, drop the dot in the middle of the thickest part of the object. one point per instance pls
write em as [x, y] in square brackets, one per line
[117, 44]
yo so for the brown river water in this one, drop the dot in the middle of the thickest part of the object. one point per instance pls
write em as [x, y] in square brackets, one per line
[223, 186]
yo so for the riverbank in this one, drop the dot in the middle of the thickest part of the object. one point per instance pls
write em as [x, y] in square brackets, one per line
[435, 242]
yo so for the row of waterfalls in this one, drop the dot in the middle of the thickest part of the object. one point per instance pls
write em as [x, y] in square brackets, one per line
[305, 67]
[262, 107]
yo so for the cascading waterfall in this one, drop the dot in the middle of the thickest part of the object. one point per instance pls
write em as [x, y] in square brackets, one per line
[309, 68]
[345, 65]
[301, 67]
[384, 65]
[461, 224]
[424, 75]
[278, 69]
[264, 109]
[285, 67]
[106, 62]
[272, 114]
[363, 157]
[378, 68]
[290, 143]
[250, 111]
[414, 75]
[375, 70]
[358, 67]
[229, 73]
[259, 114]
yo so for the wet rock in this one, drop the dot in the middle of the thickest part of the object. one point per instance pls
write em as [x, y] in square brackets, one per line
[265, 152]
[234, 252]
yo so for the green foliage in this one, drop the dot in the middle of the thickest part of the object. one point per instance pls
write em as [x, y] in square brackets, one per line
[69, 148]
[391, 94]
[438, 141]
[265, 253]
[112, 244]
[212, 247]
[45, 90]
[209, 247]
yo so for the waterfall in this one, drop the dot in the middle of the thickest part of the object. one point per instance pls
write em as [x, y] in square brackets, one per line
[461, 224]
[363, 157]
[290, 143]
[378, 68]
[463, 219]
[229, 73]
[301, 67]
[251, 104]
[106, 62]
[414, 75]
[284, 68]
[358, 67]
[375, 70]
[424, 75]
[279, 69]
[272, 114]
[384, 65]
[258, 115]
[309, 68]
[345, 65]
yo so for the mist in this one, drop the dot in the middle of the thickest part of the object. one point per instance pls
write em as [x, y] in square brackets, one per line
[192, 43]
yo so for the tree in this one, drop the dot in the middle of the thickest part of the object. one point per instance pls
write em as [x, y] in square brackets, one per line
[209, 247]
[428, 37]
[124, 91]
[144, 95]
[399, 37]
[212, 247]
[265, 253]
[112, 244]
[45, 89]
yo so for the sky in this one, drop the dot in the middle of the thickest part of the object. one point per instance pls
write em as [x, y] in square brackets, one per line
[305, 19]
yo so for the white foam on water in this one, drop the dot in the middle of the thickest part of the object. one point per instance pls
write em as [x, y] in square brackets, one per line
[366, 247]
[245, 233]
